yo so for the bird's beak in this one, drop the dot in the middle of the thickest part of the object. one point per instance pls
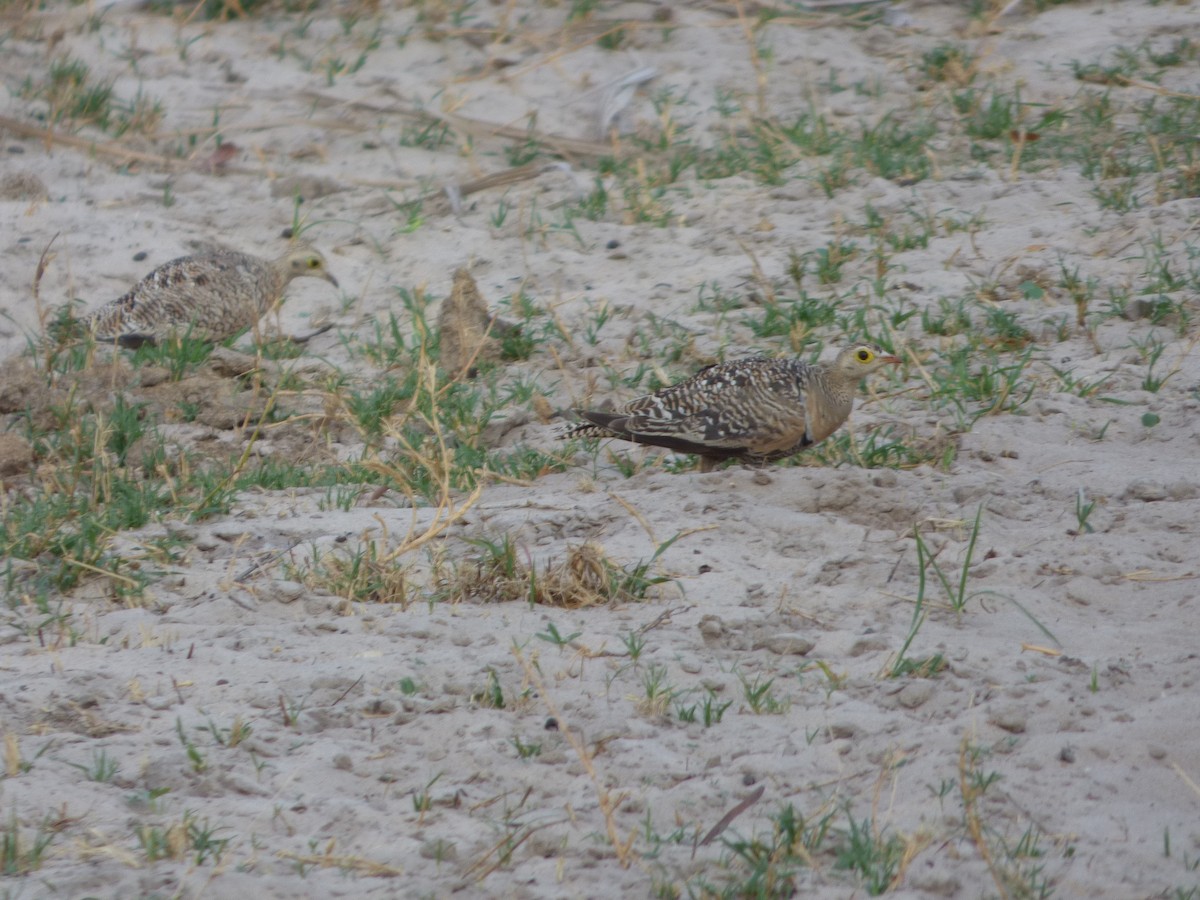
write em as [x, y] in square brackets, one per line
[894, 360]
[329, 277]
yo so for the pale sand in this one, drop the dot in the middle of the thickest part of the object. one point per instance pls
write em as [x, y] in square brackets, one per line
[325, 807]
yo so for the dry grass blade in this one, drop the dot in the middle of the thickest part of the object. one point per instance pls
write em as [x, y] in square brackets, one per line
[448, 506]
[103, 573]
[40, 272]
[503, 850]
[206, 156]
[727, 819]
[609, 804]
[970, 796]
[328, 860]
[1187, 779]
[786, 13]
[661, 619]
[1045, 651]
[567, 147]
[43, 262]
[114, 149]
[12, 755]
[446, 513]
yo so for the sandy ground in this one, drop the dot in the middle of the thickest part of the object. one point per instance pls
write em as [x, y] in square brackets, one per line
[373, 765]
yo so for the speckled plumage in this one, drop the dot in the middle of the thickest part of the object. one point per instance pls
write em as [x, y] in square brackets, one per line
[211, 296]
[754, 409]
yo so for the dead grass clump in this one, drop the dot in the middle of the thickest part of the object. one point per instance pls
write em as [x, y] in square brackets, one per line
[363, 575]
[227, 10]
[585, 577]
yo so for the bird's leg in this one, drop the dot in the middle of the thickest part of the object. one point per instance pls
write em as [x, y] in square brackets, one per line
[305, 338]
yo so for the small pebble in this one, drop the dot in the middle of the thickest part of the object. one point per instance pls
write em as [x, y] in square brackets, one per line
[787, 644]
[1146, 490]
[867, 645]
[282, 591]
[915, 694]
[1011, 719]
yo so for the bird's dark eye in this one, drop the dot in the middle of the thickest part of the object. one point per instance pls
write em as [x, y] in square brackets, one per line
[864, 355]
[314, 263]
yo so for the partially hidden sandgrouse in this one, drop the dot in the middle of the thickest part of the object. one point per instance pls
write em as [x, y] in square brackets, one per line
[754, 409]
[210, 296]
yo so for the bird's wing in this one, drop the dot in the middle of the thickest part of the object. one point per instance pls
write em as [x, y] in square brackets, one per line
[655, 433]
[715, 428]
[756, 405]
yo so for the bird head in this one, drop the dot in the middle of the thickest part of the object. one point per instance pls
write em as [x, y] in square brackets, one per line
[307, 262]
[861, 360]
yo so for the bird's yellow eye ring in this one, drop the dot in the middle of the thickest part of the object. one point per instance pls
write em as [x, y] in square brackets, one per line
[864, 355]
[314, 263]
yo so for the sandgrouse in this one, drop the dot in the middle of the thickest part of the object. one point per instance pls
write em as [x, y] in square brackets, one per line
[754, 409]
[210, 296]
